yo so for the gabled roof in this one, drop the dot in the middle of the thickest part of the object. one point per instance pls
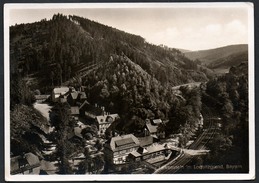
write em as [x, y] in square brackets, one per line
[142, 150]
[73, 95]
[32, 159]
[41, 97]
[74, 110]
[104, 118]
[29, 160]
[81, 125]
[135, 153]
[15, 164]
[76, 133]
[123, 142]
[157, 121]
[155, 148]
[165, 121]
[81, 96]
[86, 107]
[61, 90]
[84, 103]
[145, 141]
[151, 128]
[148, 150]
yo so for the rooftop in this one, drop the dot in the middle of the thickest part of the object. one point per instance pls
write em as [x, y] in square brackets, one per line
[145, 141]
[135, 153]
[148, 150]
[41, 97]
[74, 110]
[106, 118]
[81, 95]
[123, 142]
[86, 107]
[74, 95]
[157, 121]
[151, 128]
[29, 160]
[142, 150]
[75, 133]
[155, 148]
[61, 90]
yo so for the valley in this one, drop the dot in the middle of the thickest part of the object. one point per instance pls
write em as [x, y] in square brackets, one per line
[87, 98]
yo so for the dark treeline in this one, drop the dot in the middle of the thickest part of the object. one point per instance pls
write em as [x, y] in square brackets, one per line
[228, 95]
[61, 47]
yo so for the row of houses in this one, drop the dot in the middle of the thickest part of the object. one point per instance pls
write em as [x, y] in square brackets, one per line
[118, 150]
[121, 150]
[81, 108]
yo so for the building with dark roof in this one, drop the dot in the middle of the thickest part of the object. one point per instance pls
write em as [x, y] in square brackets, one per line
[155, 129]
[157, 121]
[103, 122]
[81, 96]
[29, 163]
[146, 141]
[89, 111]
[151, 154]
[71, 98]
[76, 134]
[74, 110]
[117, 148]
[57, 92]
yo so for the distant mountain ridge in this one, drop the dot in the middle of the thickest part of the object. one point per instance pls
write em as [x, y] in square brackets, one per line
[222, 57]
[209, 55]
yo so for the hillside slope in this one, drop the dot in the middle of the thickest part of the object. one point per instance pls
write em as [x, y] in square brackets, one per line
[223, 57]
[229, 61]
[125, 88]
[65, 47]
[120, 71]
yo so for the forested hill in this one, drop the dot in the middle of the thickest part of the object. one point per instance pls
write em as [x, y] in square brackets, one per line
[221, 58]
[227, 97]
[49, 53]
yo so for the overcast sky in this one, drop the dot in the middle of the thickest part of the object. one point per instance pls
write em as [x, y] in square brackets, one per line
[192, 28]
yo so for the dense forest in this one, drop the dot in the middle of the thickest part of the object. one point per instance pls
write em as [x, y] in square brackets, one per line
[64, 47]
[125, 88]
[121, 71]
[227, 98]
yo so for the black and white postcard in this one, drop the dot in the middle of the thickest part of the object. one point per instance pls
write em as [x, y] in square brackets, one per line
[115, 91]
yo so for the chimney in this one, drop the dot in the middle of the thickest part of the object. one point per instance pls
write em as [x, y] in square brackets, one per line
[145, 132]
[147, 121]
[103, 110]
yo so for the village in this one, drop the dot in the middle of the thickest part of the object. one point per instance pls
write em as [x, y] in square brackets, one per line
[117, 153]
